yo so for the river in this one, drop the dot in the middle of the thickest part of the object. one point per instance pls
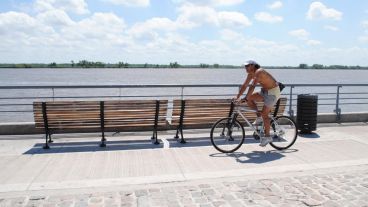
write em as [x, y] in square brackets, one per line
[103, 76]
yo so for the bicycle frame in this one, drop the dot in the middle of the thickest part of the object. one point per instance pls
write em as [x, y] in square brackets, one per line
[240, 109]
[284, 132]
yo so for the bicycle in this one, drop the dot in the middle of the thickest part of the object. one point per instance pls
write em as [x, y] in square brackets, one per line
[228, 134]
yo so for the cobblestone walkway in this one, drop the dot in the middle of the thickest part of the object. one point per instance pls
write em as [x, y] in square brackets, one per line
[318, 189]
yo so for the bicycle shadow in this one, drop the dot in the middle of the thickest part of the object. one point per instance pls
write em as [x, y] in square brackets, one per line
[311, 135]
[256, 157]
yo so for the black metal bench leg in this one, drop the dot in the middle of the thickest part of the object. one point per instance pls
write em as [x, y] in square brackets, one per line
[46, 146]
[154, 137]
[102, 123]
[46, 125]
[182, 137]
[177, 134]
[103, 140]
[50, 140]
[103, 144]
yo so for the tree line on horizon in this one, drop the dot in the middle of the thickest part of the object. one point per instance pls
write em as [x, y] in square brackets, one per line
[91, 64]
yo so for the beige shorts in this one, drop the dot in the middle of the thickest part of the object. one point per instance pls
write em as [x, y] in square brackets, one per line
[271, 96]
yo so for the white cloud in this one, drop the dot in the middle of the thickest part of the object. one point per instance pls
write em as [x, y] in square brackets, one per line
[75, 6]
[191, 15]
[363, 39]
[266, 17]
[230, 35]
[365, 24]
[313, 42]
[331, 28]
[318, 10]
[211, 2]
[17, 24]
[233, 19]
[36, 39]
[99, 25]
[303, 35]
[275, 5]
[147, 31]
[55, 18]
[300, 34]
[132, 3]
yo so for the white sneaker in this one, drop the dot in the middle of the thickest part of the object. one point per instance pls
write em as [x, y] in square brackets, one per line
[258, 121]
[265, 141]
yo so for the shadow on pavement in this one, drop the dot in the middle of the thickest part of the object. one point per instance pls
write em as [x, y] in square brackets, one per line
[257, 157]
[93, 146]
[202, 142]
[311, 135]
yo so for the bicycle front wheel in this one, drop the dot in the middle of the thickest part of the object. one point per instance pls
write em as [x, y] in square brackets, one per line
[284, 132]
[227, 135]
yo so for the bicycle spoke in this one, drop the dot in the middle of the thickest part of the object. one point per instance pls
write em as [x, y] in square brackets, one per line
[227, 135]
[284, 132]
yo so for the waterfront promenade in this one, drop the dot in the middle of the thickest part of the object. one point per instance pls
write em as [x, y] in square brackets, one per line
[327, 168]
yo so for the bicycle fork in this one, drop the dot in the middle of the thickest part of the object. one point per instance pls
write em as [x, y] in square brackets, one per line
[229, 126]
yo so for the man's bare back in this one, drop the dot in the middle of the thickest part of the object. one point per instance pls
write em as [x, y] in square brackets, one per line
[265, 79]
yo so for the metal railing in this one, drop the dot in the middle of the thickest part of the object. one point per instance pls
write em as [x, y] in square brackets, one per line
[16, 101]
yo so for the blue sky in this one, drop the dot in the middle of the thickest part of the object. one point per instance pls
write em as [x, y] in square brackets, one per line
[285, 32]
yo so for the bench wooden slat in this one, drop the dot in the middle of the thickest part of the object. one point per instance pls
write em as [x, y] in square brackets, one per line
[131, 125]
[194, 101]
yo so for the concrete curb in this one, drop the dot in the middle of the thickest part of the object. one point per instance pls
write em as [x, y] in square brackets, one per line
[350, 117]
[19, 128]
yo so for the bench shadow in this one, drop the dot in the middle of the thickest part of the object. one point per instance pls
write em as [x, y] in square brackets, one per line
[256, 157]
[120, 145]
[92, 146]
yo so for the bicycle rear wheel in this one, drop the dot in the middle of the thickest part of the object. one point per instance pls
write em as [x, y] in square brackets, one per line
[227, 135]
[284, 132]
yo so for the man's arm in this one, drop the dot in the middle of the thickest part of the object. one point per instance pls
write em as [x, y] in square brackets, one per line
[244, 86]
[252, 87]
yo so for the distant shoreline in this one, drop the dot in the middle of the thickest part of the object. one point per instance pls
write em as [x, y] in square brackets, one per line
[180, 68]
[173, 65]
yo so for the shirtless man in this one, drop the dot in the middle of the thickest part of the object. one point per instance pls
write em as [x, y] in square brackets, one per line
[269, 94]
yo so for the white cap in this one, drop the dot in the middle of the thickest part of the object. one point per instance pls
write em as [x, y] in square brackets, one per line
[251, 62]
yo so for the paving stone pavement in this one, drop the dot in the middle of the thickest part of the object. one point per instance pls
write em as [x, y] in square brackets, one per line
[333, 188]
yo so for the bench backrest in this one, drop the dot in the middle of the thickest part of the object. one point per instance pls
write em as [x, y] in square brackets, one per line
[115, 115]
[67, 114]
[194, 113]
[202, 113]
[135, 114]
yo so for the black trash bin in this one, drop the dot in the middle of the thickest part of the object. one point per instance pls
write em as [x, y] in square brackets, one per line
[307, 113]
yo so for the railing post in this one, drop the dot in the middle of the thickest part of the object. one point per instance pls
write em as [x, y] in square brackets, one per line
[53, 94]
[291, 111]
[337, 109]
[182, 93]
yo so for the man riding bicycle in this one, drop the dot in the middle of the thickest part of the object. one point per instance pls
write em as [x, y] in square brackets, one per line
[269, 94]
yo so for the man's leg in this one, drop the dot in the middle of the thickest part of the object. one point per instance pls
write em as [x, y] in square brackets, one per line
[266, 123]
[252, 102]
[266, 119]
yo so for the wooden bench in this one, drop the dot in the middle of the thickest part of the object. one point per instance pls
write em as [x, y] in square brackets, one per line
[100, 116]
[203, 113]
